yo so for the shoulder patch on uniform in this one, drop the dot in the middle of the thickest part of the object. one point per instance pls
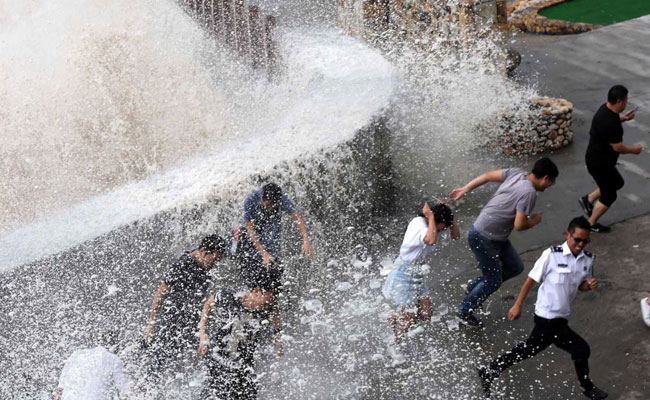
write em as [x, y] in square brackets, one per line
[589, 254]
[557, 249]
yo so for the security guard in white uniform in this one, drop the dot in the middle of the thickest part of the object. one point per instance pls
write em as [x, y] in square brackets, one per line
[562, 271]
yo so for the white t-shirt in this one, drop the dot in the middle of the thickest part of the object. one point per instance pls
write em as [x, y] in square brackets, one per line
[413, 249]
[90, 374]
[560, 273]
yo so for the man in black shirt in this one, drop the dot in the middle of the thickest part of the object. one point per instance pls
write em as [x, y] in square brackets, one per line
[176, 306]
[605, 145]
[238, 321]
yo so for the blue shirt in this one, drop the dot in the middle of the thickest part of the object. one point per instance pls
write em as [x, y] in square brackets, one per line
[267, 223]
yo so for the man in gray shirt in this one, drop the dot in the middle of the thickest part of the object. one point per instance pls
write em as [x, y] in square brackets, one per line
[511, 207]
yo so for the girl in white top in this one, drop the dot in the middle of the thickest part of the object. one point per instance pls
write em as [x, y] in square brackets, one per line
[405, 285]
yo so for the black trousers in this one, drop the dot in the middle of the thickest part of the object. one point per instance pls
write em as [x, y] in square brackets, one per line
[546, 332]
[227, 382]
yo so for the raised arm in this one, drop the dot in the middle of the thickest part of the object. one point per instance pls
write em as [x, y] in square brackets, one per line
[203, 334]
[302, 227]
[155, 305]
[490, 176]
[515, 311]
[431, 236]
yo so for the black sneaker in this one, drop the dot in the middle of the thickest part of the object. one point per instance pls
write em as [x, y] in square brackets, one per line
[487, 376]
[587, 207]
[595, 393]
[469, 319]
[600, 228]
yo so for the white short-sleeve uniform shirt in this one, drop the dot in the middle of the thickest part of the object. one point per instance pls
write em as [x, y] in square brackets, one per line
[560, 274]
[91, 374]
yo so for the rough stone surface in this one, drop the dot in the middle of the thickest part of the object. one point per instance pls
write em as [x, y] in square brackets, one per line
[538, 132]
[524, 15]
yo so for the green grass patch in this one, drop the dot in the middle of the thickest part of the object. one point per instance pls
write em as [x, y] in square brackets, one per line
[601, 12]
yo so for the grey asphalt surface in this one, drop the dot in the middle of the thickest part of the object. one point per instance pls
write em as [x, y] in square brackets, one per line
[582, 68]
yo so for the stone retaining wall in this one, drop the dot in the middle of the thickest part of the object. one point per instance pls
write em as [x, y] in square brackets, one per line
[548, 127]
[417, 20]
[524, 15]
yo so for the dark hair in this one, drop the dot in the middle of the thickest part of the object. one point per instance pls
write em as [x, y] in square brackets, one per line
[545, 167]
[272, 193]
[441, 212]
[617, 93]
[578, 222]
[214, 244]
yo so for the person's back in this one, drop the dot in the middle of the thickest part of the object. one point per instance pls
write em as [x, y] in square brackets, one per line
[92, 374]
[516, 193]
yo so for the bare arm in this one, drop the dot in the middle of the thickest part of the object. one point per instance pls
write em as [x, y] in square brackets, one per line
[622, 148]
[455, 230]
[205, 315]
[515, 311]
[266, 257]
[523, 222]
[490, 176]
[155, 305]
[302, 227]
[431, 237]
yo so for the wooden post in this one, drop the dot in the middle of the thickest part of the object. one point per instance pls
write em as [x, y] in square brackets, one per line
[271, 47]
[217, 18]
[258, 51]
[502, 12]
[243, 30]
[229, 23]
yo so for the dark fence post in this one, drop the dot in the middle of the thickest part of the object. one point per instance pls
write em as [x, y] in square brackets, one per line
[243, 30]
[229, 23]
[258, 48]
[271, 48]
[217, 18]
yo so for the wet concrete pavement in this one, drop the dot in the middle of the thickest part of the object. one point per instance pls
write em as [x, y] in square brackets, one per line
[582, 68]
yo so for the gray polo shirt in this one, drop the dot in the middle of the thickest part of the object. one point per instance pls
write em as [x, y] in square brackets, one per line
[516, 193]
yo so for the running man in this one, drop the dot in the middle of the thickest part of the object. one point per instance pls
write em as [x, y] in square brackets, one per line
[605, 145]
[562, 271]
[510, 207]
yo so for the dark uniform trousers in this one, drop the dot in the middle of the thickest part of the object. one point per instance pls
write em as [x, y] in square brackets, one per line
[546, 332]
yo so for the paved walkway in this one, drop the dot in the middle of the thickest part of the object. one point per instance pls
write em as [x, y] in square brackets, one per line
[581, 68]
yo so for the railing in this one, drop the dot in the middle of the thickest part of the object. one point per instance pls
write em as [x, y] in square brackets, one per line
[242, 27]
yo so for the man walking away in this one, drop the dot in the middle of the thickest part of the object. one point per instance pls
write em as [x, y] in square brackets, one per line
[562, 271]
[511, 207]
[605, 145]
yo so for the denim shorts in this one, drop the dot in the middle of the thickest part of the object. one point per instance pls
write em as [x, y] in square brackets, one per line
[405, 285]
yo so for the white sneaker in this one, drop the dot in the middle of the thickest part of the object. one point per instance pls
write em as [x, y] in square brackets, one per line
[645, 311]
